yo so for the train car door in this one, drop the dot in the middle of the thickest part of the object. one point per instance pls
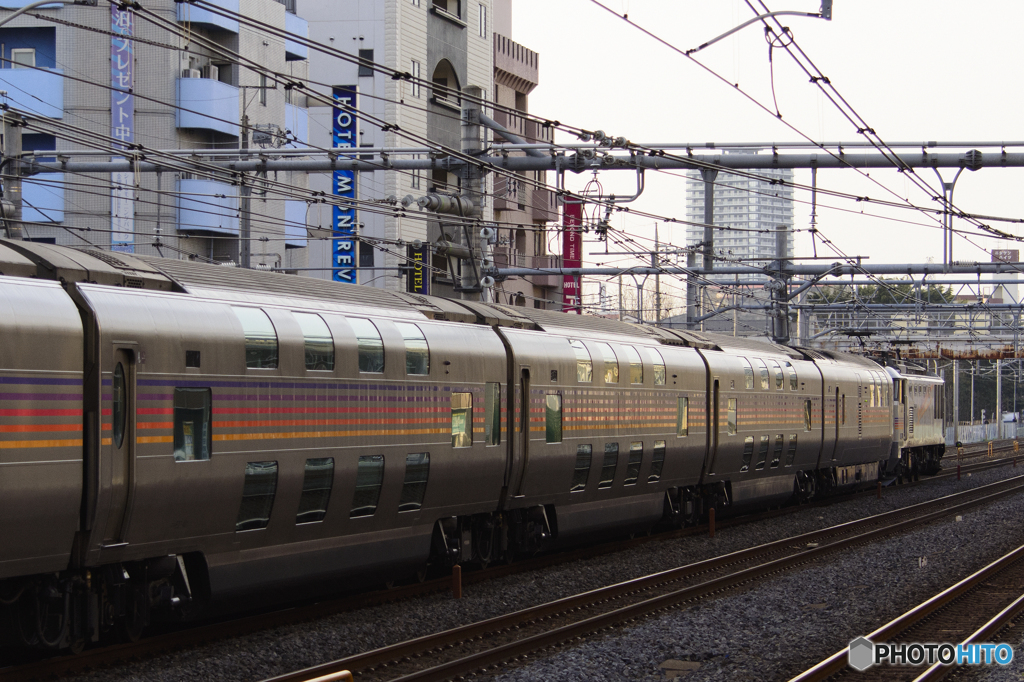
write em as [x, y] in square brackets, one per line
[122, 444]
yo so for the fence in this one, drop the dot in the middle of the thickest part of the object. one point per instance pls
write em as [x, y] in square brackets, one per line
[979, 433]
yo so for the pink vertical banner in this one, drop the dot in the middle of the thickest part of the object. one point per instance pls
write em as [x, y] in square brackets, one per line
[572, 254]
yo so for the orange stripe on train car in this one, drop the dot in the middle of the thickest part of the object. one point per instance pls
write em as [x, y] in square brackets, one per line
[39, 428]
[12, 444]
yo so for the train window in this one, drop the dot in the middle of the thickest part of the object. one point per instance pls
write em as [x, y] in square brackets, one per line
[316, 490]
[657, 461]
[762, 453]
[260, 338]
[417, 354]
[731, 425]
[682, 416]
[791, 452]
[119, 405]
[807, 415]
[492, 413]
[257, 495]
[779, 379]
[369, 478]
[611, 364]
[660, 375]
[417, 469]
[553, 417]
[636, 366]
[636, 458]
[581, 472]
[748, 452]
[584, 365]
[611, 460]
[192, 437]
[780, 440]
[791, 371]
[763, 370]
[462, 420]
[319, 342]
[371, 348]
[748, 372]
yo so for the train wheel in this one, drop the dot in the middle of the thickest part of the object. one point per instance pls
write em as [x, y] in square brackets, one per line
[136, 614]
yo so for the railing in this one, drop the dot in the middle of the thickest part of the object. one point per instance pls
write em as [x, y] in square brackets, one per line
[979, 433]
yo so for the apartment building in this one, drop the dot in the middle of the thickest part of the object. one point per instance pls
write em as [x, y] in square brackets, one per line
[170, 77]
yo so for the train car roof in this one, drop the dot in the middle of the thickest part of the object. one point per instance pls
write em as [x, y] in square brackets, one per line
[13, 264]
[92, 265]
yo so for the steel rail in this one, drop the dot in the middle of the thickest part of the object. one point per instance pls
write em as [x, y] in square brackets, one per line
[496, 655]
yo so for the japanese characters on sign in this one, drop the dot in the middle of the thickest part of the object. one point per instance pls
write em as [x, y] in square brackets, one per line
[343, 251]
[572, 254]
[122, 126]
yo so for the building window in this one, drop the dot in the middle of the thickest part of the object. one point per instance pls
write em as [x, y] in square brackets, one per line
[462, 420]
[192, 433]
[369, 477]
[263, 89]
[318, 340]
[257, 495]
[582, 469]
[415, 78]
[316, 490]
[553, 417]
[483, 21]
[23, 58]
[414, 180]
[365, 63]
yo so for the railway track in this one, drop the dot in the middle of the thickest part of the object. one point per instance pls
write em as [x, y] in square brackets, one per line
[197, 635]
[487, 645]
[974, 610]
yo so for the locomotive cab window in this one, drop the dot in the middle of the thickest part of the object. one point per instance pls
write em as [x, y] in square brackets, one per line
[417, 354]
[316, 490]
[369, 477]
[371, 348]
[636, 365]
[318, 341]
[257, 495]
[611, 363]
[260, 338]
[414, 488]
[584, 365]
[462, 420]
[192, 429]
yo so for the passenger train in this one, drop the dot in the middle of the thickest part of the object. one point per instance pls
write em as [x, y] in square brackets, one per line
[177, 438]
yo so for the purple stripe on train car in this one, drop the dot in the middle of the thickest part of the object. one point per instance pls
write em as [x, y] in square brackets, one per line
[40, 396]
[282, 385]
[40, 381]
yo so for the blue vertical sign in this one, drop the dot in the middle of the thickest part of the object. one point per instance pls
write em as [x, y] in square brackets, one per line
[122, 125]
[343, 251]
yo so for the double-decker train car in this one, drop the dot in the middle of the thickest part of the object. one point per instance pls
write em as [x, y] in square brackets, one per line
[918, 427]
[178, 437]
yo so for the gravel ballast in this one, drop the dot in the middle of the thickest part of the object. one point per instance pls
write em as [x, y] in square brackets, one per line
[767, 632]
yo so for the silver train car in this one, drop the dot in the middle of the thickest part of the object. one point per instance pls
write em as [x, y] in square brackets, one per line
[918, 426]
[177, 438]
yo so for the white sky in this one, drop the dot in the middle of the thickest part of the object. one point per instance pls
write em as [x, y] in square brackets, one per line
[913, 69]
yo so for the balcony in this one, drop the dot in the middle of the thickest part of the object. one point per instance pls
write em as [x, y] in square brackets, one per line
[207, 104]
[43, 198]
[295, 224]
[207, 206]
[207, 19]
[296, 119]
[36, 91]
[516, 66]
[295, 25]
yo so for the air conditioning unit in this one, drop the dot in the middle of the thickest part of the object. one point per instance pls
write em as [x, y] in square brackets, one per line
[211, 71]
[191, 73]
